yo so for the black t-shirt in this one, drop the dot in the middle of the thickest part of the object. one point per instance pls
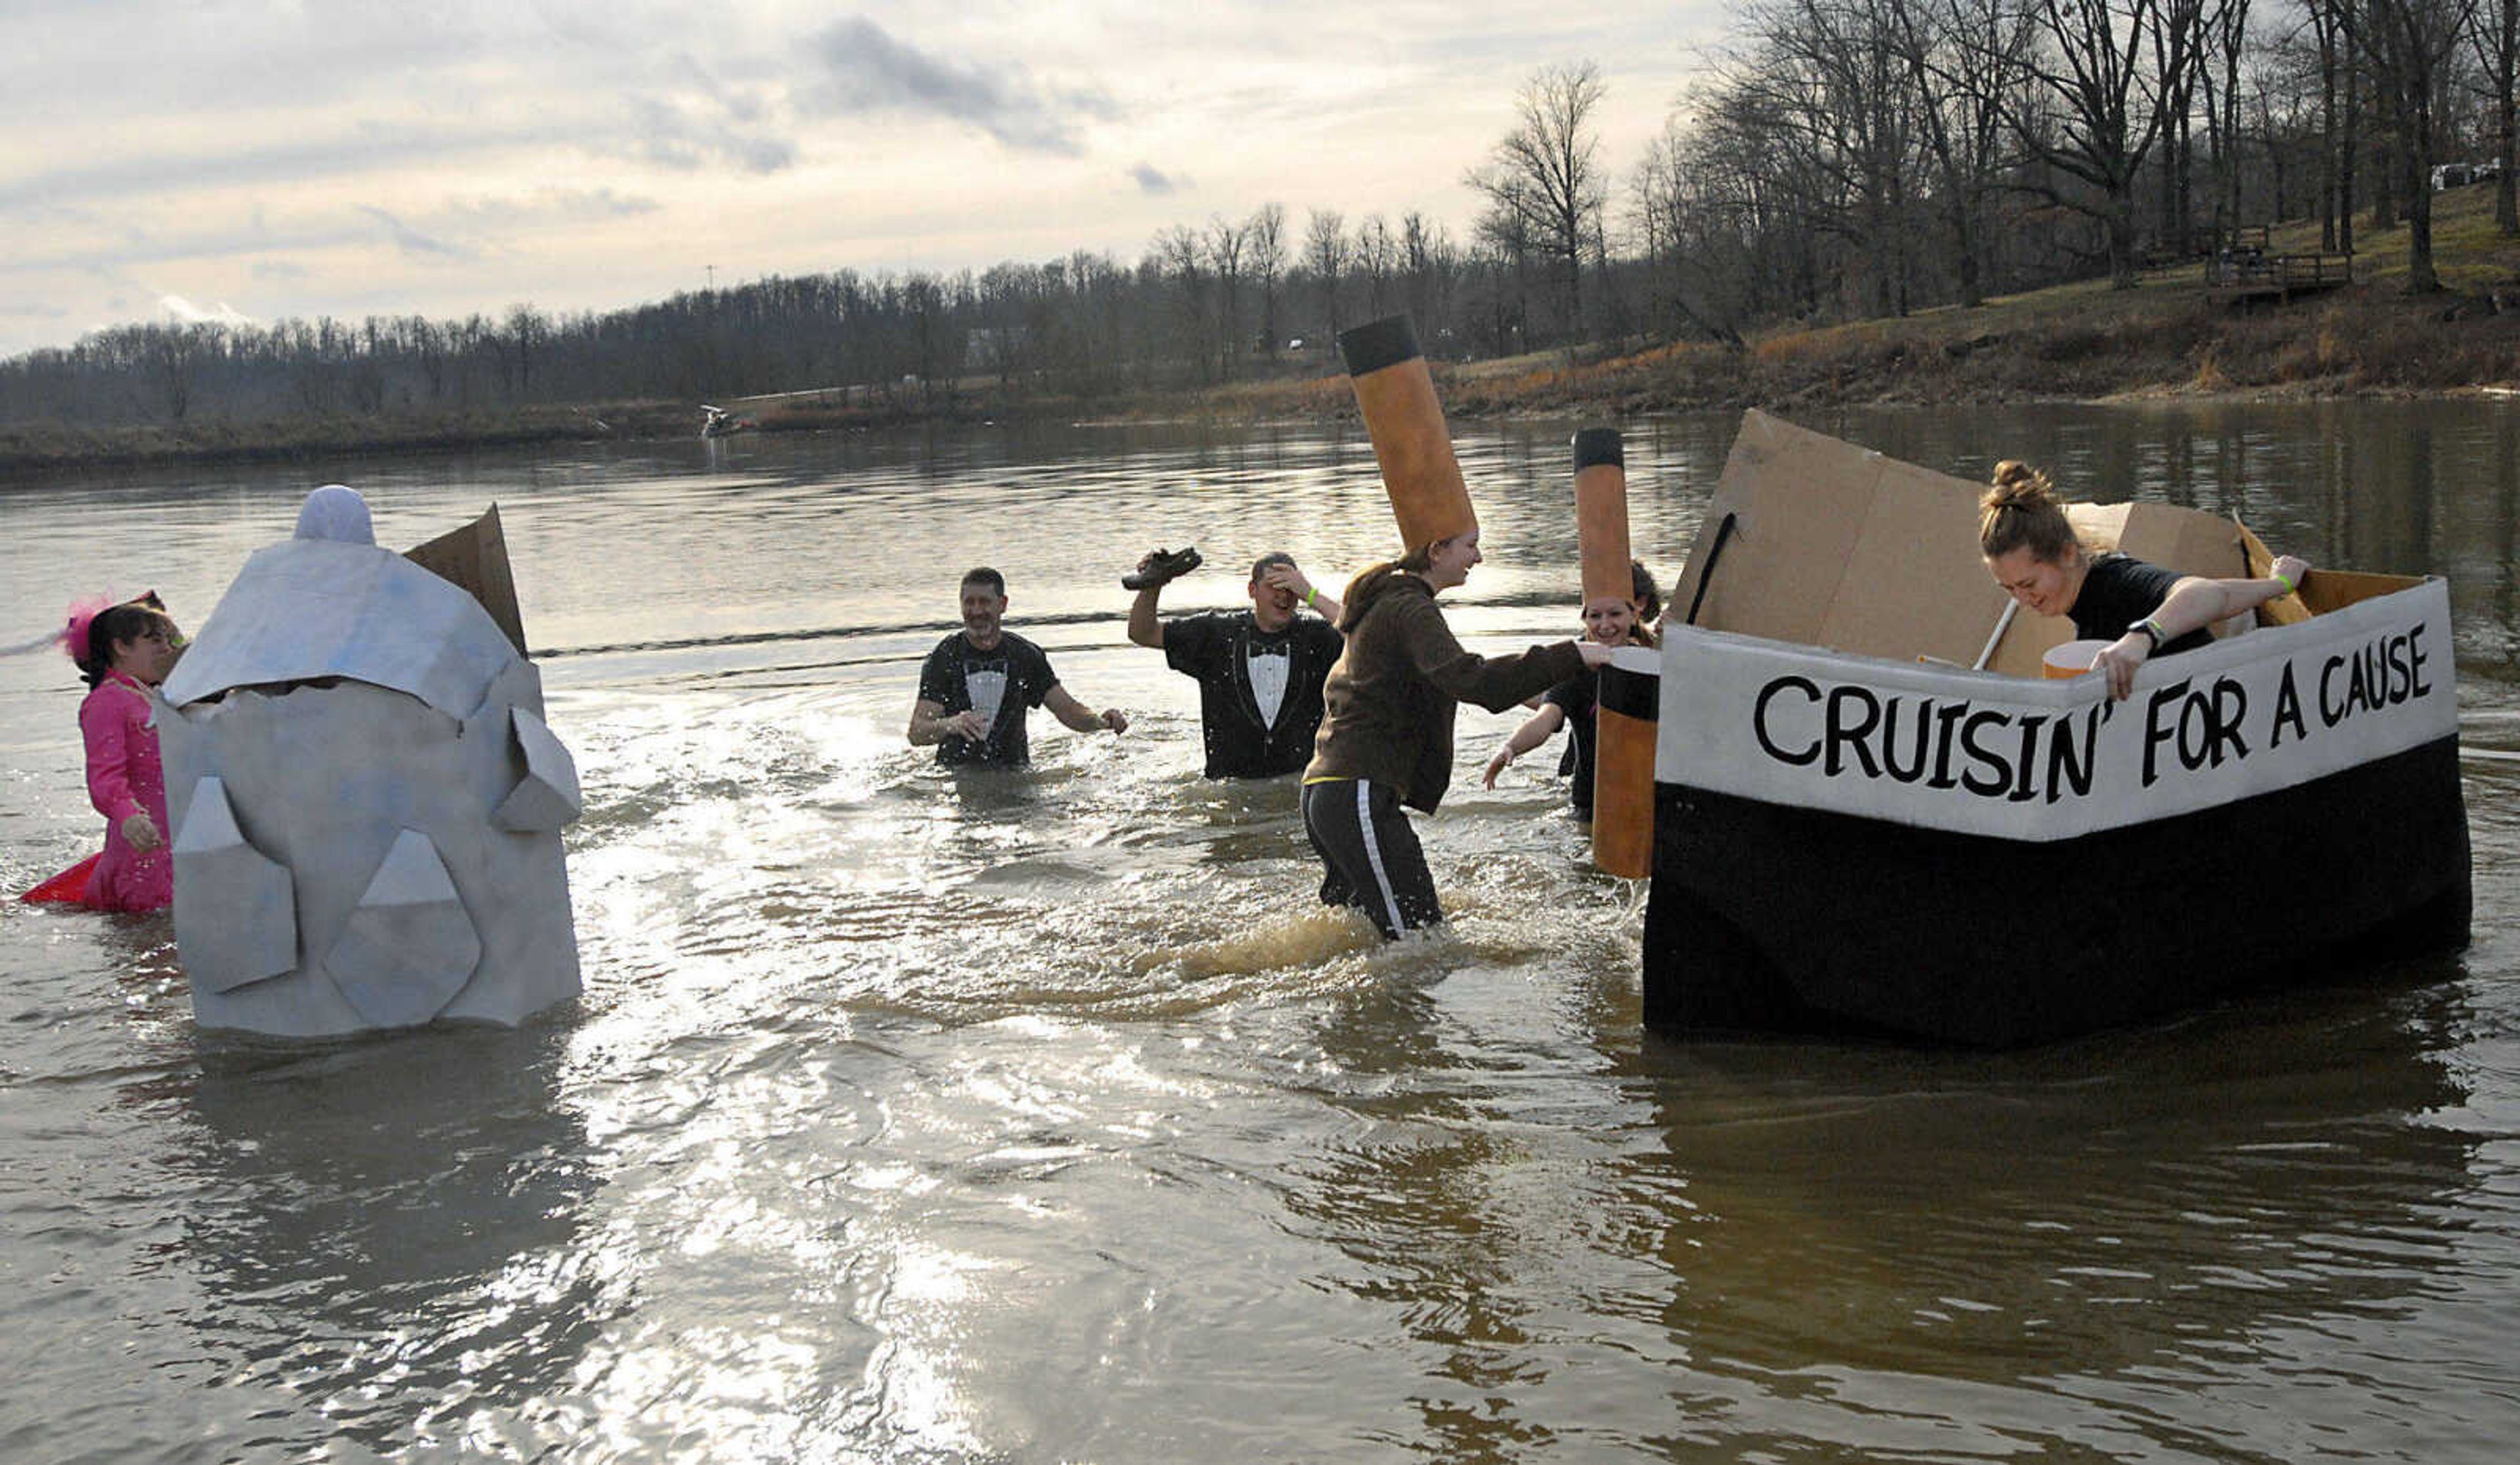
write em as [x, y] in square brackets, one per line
[1219, 648]
[2117, 591]
[1575, 697]
[1010, 679]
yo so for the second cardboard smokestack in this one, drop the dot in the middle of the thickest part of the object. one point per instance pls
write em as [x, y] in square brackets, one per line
[1626, 719]
[1629, 689]
[1395, 394]
[1602, 515]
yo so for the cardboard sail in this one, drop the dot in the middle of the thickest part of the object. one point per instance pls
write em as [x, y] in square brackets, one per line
[474, 558]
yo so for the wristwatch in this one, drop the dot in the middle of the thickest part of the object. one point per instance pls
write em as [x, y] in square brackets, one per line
[2151, 634]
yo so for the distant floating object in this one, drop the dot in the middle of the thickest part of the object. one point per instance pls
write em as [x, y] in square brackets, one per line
[717, 422]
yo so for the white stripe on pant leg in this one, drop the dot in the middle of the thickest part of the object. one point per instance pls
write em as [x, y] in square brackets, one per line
[1373, 852]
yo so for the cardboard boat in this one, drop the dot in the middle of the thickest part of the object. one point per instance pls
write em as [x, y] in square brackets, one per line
[1856, 831]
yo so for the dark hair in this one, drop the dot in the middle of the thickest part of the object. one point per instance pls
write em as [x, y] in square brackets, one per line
[982, 574]
[129, 622]
[1374, 579]
[1648, 603]
[2021, 512]
[1260, 565]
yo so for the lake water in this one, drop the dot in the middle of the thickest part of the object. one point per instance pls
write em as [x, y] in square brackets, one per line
[1046, 1118]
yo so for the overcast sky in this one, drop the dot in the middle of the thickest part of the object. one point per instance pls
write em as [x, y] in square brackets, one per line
[254, 159]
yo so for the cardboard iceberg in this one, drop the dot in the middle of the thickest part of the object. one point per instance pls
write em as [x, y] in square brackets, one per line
[367, 800]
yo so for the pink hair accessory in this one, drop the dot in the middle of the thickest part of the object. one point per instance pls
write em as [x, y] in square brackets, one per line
[83, 610]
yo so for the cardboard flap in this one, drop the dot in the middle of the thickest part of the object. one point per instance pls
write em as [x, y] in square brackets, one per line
[474, 559]
[1837, 546]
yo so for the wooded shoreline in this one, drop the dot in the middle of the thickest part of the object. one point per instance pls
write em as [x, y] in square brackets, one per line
[2078, 342]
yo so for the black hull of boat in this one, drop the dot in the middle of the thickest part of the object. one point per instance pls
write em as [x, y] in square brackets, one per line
[1770, 918]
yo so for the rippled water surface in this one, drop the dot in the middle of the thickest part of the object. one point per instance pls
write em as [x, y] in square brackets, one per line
[1045, 1118]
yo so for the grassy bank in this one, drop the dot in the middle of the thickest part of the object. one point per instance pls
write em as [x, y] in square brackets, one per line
[2170, 335]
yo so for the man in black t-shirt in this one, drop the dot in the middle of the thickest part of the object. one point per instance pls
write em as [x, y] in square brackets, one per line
[978, 685]
[1259, 671]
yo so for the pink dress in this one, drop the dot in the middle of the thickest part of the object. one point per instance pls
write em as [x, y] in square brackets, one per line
[125, 777]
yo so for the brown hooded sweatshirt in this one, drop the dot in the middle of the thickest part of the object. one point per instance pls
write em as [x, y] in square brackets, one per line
[1391, 698]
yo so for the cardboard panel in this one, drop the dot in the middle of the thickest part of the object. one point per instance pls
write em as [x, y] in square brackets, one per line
[1799, 502]
[1836, 546]
[1915, 584]
[474, 558]
[2330, 590]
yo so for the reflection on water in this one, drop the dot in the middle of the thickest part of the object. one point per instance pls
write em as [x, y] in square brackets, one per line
[913, 1114]
[398, 1230]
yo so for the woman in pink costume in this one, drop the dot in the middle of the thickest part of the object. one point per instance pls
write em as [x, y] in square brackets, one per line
[120, 651]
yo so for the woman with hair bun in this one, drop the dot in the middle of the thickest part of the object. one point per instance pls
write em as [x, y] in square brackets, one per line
[2143, 611]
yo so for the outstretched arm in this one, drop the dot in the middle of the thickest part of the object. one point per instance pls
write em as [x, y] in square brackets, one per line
[1536, 729]
[1077, 716]
[2193, 603]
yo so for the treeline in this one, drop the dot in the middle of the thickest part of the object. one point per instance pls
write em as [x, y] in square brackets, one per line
[1865, 158]
[1845, 159]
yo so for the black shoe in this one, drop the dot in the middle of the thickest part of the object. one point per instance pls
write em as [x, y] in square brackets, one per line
[1164, 567]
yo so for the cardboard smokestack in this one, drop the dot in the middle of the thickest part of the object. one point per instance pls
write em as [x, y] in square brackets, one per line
[1627, 709]
[1629, 693]
[1602, 515]
[1396, 396]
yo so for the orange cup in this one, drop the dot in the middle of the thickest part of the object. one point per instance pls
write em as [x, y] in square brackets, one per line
[2072, 658]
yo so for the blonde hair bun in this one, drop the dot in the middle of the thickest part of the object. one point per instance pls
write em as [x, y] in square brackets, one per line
[2018, 486]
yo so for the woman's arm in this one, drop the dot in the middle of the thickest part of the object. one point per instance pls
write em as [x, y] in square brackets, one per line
[2193, 603]
[1494, 683]
[107, 728]
[1536, 729]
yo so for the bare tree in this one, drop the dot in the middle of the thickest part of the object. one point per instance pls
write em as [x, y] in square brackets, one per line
[1545, 175]
[1429, 262]
[1377, 253]
[1267, 233]
[1326, 255]
[2094, 73]
[1180, 255]
[2497, 53]
[2415, 41]
[1964, 58]
[1228, 245]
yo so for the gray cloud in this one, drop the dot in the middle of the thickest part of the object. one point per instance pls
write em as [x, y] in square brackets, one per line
[278, 270]
[411, 241]
[1151, 180]
[868, 71]
[666, 133]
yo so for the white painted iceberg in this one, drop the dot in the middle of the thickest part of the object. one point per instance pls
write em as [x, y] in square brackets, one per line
[367, 800]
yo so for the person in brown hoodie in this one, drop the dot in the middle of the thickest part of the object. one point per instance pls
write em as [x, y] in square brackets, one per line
[1386, 738]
